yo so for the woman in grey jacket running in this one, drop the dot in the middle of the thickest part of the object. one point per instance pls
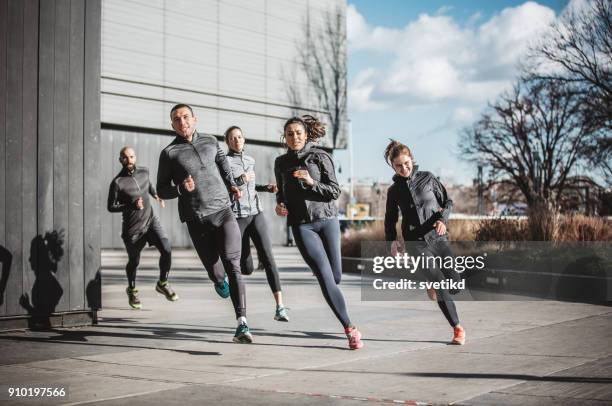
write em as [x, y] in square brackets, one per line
[248, 211]
[307, 188]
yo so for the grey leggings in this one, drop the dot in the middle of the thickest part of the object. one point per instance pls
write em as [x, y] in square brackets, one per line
[255, 228]
[319, 244]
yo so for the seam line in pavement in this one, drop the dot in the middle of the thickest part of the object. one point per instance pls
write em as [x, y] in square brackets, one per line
[84, 402]
[500, 390]
[550, 396]
[129, 377]
[587, 359]
[151, 366]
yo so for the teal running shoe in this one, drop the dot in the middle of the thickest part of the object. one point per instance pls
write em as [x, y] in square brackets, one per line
[222, 288]
[243, 335]
[281, 314]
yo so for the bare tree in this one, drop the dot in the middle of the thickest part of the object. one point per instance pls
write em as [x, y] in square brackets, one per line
[530, 138]
[578, 52]
[322, 58]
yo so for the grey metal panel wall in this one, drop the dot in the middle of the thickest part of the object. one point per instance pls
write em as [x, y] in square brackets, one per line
[92, 195]
[6, 257]
[148, 147]
[225, 57]
[14, 136]
[49, 115]
[30, 124]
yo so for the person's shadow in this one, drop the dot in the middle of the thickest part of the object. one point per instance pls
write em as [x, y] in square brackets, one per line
[6, 259]
[45, 253]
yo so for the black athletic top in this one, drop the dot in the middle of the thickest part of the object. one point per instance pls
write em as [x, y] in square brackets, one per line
[205, 161]
[307, 204]
[124, 190]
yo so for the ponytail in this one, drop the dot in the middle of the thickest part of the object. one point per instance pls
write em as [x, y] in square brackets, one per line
[314, 128]
[395, 149]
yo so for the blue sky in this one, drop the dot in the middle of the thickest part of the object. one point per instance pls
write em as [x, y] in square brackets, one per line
[421, 71]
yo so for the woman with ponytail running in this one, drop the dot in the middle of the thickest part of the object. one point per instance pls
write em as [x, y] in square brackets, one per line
[425, 209]
[249, 214]
[307, 188]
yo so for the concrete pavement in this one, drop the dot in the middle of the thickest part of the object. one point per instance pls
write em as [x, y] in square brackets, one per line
[517, 353]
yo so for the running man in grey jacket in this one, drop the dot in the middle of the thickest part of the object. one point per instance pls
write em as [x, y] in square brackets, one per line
[194, 169]
[248, 211]
[129, 194]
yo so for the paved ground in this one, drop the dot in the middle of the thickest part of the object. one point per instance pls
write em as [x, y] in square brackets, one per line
[518, 353]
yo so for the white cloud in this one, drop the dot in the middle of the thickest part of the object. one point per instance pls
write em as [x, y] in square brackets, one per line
[361, 91]
[463, 115]
[436, 60]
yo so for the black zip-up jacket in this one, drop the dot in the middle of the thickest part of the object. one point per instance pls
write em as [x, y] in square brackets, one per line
[249, 203]
[307, 203]
[422, 200]
[205, 161]
[124, 190]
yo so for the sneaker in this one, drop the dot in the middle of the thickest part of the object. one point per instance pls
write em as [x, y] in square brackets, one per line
[222, 289]
[281, 314]
[432, 294]
[133, 298]
[458, 336]
[243, 335]
[165, 289]
[354, 338]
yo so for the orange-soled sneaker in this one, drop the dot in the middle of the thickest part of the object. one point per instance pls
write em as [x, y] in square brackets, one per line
[354, 338]
[458, 336]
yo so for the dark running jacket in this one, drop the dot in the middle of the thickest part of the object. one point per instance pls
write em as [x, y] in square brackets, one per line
[307, 203]
[422, 200]
[207, 164]
[124, 190]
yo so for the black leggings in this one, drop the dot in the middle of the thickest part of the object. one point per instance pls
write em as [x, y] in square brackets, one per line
[218, 237]
[154, 236]
[445, 302]
[255, 228]
[319, 244]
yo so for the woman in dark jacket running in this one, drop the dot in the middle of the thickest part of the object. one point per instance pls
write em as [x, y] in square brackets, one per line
[425, 208]
[307, 188]
[248, 211]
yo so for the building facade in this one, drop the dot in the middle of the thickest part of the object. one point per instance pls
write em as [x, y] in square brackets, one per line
[230, 60]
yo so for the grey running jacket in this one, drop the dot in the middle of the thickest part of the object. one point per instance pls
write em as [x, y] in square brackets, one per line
[207, 164]
[124, 190]
[307, 203]
[249, 203]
